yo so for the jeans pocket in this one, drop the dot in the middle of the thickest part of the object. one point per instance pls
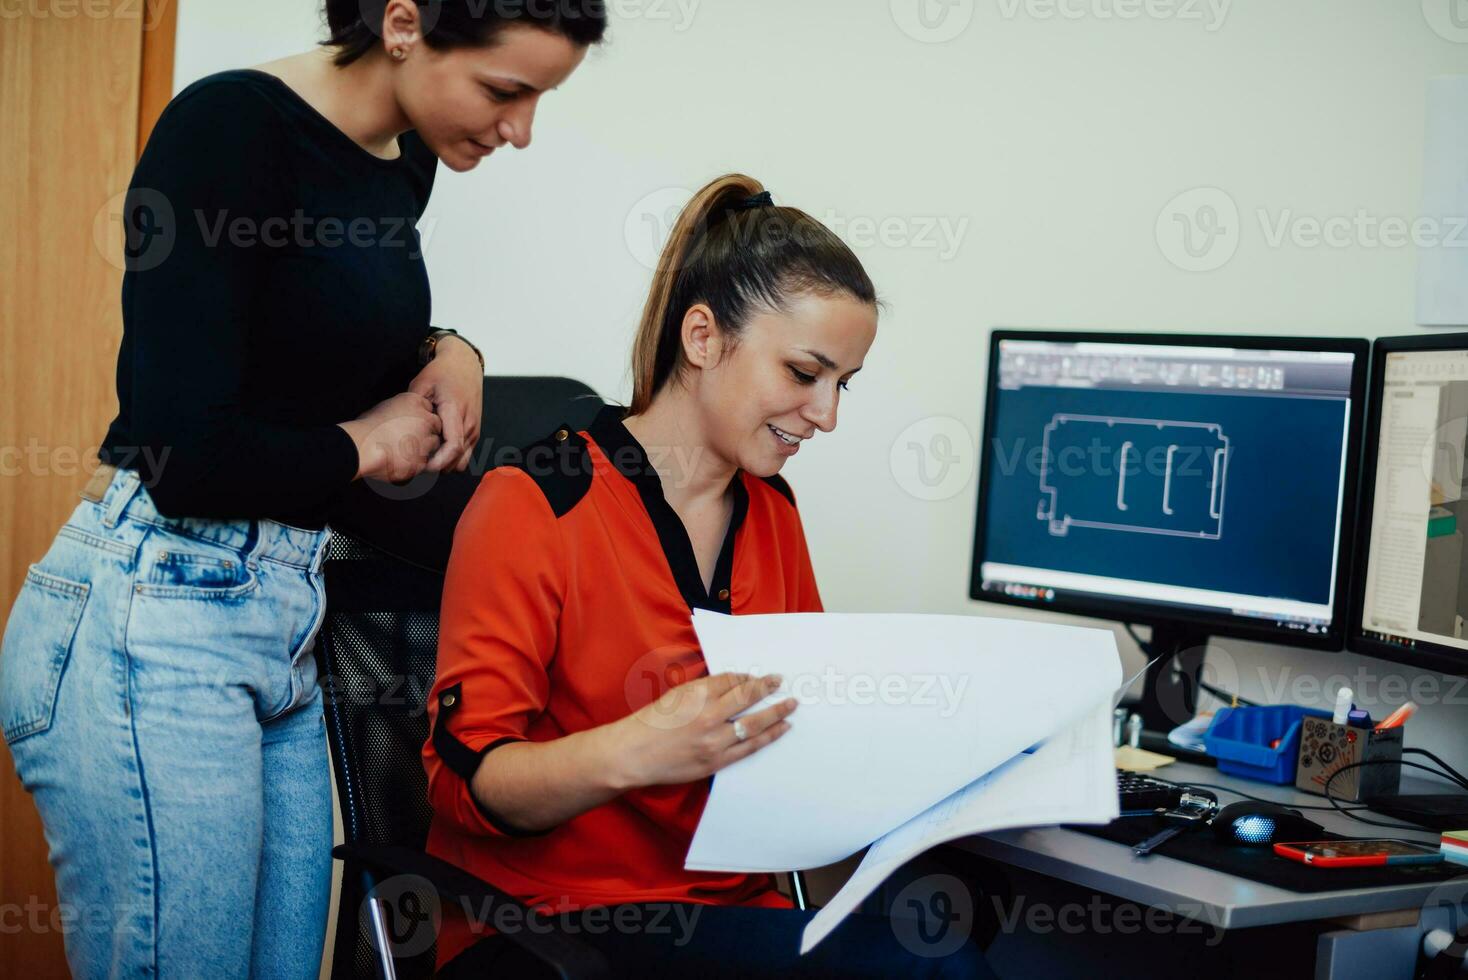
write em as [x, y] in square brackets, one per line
[37, 642]
[177, 565]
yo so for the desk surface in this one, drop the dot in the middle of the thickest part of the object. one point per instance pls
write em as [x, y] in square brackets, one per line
[1215, 897]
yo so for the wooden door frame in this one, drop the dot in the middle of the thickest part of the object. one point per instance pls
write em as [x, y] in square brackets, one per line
[155, 80]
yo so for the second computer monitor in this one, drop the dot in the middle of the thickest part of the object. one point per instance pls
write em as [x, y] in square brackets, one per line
[1412, 580]
[1195, 480]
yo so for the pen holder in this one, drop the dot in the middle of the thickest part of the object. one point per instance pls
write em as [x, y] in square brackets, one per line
[1326, 747]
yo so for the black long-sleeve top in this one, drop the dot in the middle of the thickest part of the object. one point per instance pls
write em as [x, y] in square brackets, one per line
[275, 286]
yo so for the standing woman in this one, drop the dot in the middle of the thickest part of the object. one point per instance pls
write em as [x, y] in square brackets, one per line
[157, 688]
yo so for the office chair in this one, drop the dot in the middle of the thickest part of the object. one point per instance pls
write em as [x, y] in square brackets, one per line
[376, 654]
[376, 651]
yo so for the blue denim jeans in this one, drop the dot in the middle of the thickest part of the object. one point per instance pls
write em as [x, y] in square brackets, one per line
[158, 693]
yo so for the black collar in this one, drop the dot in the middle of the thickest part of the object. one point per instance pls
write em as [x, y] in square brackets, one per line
[628, 458]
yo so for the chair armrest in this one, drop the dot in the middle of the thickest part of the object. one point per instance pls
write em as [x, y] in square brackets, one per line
[571, 958]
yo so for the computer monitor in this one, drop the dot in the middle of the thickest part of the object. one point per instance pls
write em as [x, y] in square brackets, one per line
[1198, 484]
[1410, 595]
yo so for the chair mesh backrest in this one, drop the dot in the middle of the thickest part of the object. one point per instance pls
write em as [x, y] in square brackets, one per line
[378, 645]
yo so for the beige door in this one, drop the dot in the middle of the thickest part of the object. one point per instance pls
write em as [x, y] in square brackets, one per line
[81, 82]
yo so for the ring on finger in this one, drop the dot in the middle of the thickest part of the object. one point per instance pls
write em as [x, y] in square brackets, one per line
[739, 733]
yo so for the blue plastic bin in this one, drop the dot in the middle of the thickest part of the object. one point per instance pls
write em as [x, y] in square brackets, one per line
[1239, 739]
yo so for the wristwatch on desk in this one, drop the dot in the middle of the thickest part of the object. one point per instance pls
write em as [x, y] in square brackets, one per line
[429, 347]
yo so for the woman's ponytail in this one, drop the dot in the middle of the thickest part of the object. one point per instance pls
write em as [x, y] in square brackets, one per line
[687, 236]
[734, 250]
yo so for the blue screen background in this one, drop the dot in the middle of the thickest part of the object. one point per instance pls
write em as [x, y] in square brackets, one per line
[1279, 514]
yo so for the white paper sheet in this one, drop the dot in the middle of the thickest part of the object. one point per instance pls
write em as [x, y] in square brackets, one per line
[1070, 778]
[897, 713]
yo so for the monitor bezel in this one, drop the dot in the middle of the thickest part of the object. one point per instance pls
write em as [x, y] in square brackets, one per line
[1431, 656]
[1156, 614]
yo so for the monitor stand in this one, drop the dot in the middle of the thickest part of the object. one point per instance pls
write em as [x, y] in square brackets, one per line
[1170, 689]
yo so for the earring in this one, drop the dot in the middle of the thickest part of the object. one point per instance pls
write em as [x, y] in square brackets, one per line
[399, 53]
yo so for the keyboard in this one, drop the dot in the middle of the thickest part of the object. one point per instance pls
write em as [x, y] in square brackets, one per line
[1140, 793]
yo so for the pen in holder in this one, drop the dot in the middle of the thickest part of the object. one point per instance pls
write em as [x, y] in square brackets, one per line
[1326, 747]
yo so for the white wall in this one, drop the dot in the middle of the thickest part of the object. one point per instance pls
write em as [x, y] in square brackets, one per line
[1050, 139]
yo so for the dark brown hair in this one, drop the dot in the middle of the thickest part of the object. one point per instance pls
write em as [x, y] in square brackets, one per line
[356, 25]
[737, 260]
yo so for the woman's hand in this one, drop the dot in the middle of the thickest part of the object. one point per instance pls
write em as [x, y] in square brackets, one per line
[453, 383]
[685, 735]
[395, 437]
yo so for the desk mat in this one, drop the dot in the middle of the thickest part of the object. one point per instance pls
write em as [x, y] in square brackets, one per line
[1261, 864]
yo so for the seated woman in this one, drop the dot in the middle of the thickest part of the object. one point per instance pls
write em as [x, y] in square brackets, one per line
[574, 727]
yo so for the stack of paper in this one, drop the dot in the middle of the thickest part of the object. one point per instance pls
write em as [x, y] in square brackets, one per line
[912, 730]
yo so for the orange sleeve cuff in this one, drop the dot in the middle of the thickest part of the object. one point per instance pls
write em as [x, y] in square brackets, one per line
[451, 775]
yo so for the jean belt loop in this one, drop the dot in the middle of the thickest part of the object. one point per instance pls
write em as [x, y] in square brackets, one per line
[123, 490]
[255, 539]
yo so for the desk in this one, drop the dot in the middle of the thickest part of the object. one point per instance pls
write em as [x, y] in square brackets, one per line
[1379, 926]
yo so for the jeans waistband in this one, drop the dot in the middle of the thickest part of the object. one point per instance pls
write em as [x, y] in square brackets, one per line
[125, 496]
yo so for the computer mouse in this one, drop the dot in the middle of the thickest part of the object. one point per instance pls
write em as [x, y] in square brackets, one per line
[1262, 824]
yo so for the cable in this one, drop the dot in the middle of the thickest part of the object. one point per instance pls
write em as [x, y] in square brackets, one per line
[1334, 803]
[1374, 762]
[1453, 774]
[1250, 796]
[1226, 696]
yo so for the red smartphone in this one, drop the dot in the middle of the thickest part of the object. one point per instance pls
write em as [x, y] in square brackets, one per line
[1358, 853]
